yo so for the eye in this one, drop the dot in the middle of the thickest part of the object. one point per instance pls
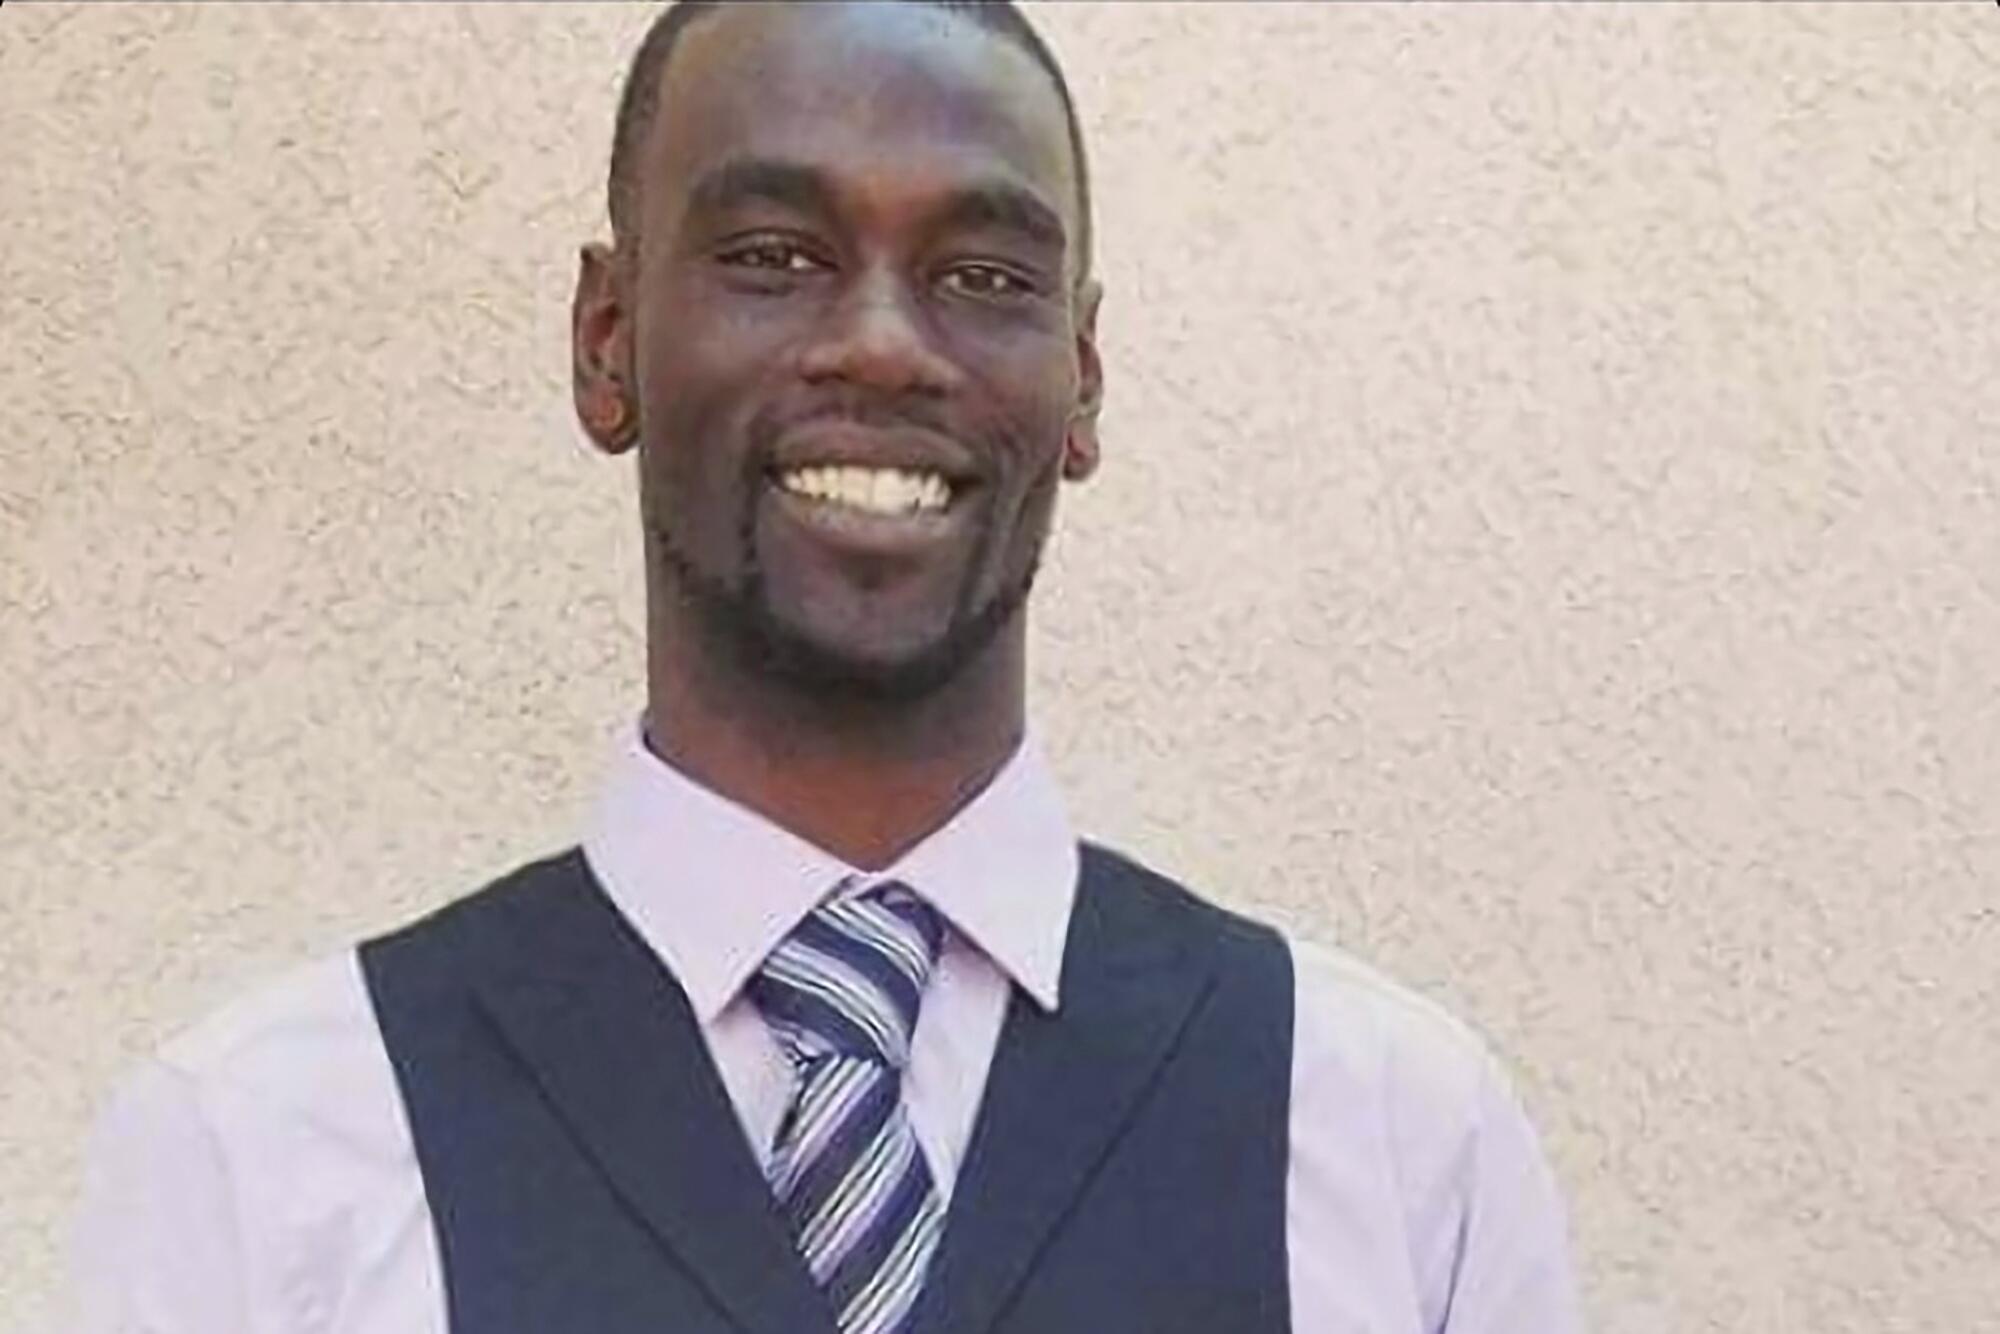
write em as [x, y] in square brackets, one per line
[986, 282]
[769, 255]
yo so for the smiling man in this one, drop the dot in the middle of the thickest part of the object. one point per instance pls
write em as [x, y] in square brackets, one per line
[831, 1022]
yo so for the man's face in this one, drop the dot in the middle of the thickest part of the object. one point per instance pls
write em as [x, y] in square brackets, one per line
[860, 353]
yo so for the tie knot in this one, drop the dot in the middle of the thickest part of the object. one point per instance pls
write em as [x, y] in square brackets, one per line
[848, 980]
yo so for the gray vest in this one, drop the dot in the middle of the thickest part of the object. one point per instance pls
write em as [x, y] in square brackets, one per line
[586, 1171]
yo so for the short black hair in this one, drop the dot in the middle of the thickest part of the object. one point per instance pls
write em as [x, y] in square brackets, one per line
[641, 99]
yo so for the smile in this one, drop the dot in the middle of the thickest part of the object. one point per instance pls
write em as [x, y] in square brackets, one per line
[882, 491]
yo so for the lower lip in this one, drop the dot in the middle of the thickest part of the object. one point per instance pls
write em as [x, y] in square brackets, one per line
[869, 533]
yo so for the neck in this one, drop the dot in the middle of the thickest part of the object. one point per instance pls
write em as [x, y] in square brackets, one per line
[864, 779]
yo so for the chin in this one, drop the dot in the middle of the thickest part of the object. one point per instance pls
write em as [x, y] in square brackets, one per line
[841, 671]
[827, 661]
[874, 673]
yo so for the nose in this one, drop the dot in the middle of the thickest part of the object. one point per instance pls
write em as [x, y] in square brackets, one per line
[874, 336]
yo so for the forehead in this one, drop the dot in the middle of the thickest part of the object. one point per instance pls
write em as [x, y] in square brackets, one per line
[897, 95]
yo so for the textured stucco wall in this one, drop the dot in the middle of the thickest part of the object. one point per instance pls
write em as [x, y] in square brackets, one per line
[1550, 542]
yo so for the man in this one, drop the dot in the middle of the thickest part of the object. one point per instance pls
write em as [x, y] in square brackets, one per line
[831, 1023]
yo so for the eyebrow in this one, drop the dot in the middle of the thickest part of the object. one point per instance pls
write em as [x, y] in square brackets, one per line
[743, 180]
[1005, 207]
[998, 204]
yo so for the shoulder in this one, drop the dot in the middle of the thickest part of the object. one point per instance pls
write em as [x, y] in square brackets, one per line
[1371, 1056]
[292, 1066]
[237, 1176]
[310, 1037]
[311, 1011]
[1344, 1009]
[1372, 1035]
[292, 1079]
[259, 1163]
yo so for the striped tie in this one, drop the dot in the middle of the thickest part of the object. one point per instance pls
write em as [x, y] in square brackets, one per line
[841, 995]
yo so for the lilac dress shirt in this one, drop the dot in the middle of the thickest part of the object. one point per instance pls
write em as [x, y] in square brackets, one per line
[257, 1176]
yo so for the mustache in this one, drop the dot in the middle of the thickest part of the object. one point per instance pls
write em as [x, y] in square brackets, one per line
[865, 411]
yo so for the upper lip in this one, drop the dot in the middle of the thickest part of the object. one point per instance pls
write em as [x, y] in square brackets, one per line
[845, 446]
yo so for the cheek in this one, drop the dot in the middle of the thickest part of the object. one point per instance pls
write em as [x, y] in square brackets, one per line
[696, 405]
[1040, 421]
[1027, 376]
[1033, 395]
[1027, 504]
[691, 470]
[694, 356]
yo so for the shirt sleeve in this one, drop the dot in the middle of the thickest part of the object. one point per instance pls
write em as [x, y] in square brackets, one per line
[1512, 1269]
[156, 1247]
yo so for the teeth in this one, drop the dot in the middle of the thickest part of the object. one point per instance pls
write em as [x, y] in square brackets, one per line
[875, 490]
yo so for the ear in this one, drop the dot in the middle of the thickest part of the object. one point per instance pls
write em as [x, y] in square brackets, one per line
[1080, 449]
[601, 353]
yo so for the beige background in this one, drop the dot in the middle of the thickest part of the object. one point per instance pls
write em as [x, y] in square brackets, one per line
[1550, 542]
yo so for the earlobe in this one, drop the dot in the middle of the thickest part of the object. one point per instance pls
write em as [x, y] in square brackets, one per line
[1080, 453]
[610, 423]
[605, 412]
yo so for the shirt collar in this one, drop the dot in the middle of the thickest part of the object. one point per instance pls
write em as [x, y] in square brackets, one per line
[713, 886]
